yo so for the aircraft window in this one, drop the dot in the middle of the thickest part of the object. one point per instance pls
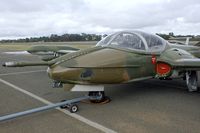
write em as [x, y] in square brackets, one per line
[154, 43]
[128, 40]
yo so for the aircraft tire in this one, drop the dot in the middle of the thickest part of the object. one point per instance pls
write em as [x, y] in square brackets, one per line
[192, 80]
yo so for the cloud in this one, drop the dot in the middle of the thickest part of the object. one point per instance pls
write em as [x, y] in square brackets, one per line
[22, 18]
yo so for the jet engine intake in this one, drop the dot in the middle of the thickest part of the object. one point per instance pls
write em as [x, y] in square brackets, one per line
[163, 70]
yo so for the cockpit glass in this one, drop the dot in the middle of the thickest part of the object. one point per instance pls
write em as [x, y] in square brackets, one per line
[128, 40]
[134, 40]
[154, 43]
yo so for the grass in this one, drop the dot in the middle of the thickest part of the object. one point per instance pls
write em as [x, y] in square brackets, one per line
[13, 47]
[25, 46]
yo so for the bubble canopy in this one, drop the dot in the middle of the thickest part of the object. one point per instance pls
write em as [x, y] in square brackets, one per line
[135, 40]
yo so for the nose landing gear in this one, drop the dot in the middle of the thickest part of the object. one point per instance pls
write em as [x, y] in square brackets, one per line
[57, 84]
[98, 97]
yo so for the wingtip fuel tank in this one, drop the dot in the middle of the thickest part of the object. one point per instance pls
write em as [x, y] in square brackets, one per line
[23, 64]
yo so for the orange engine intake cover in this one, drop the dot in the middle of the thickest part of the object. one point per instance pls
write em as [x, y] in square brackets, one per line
[163, 68]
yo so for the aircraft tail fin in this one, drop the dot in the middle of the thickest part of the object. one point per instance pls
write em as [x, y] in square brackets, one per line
[187, 40]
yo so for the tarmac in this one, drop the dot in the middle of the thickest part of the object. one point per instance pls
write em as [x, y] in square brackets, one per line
[146, 106]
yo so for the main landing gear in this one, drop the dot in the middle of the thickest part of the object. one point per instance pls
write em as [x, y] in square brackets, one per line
[192, 80]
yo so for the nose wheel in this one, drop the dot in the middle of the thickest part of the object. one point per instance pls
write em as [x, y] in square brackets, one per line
[98, 97]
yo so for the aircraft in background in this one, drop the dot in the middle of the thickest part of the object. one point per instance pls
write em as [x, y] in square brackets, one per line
[48, 53]
[122, 57]
[180, 40]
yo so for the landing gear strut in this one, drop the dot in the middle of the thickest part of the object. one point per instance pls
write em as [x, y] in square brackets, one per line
[98, 97]
[191, 80]
[57, 84]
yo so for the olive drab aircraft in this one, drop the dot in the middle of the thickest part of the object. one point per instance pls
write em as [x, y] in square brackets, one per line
[50, 52]
[122, 57]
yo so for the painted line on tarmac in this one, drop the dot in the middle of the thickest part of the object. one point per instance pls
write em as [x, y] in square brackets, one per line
[25, 72]
[76, 116]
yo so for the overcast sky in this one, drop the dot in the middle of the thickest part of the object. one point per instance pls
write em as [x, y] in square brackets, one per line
[26, 18]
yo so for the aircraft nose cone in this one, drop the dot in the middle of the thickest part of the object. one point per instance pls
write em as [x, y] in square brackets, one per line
[49, 71]
[55, 72]
[63, 74]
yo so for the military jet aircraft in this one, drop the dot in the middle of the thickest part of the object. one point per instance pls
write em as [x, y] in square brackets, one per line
[48, 53]
[122, 57]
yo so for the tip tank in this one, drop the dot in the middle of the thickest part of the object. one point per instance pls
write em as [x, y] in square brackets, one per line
[23, 64]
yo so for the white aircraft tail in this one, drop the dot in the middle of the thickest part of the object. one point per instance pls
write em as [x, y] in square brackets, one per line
[187, 40]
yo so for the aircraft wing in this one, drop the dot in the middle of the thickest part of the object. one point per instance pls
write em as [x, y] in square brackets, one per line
[180, 59]
[176, 59]
[186, 64]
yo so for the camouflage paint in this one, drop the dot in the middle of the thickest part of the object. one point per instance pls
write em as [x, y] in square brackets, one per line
[102, 66]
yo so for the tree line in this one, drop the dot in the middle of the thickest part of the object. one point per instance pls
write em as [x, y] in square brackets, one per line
[83, 37]
[58, 38]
